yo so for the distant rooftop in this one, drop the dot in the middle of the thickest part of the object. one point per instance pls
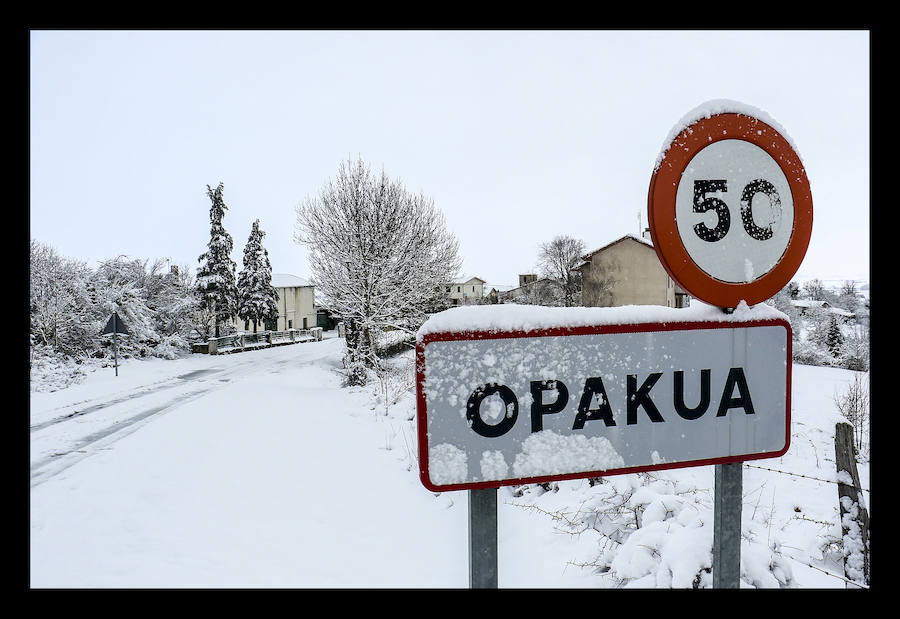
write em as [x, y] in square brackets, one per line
[286, 280]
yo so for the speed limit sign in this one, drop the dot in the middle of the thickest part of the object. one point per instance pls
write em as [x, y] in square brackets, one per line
[730, 209]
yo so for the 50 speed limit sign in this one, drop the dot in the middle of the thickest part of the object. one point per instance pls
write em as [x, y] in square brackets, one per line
[730, 209]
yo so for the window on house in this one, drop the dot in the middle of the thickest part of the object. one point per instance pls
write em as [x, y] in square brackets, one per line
[291, 324]
[458, 289]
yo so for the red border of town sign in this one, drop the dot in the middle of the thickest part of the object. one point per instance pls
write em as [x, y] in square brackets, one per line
[421, 412]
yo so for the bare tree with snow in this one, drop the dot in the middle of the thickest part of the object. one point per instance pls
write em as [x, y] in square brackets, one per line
[379, 256]
[557, 260]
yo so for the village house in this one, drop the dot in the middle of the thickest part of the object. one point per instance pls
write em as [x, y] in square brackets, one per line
[531, 289]
[465, 290]
[296, 303]
[627, 271]
[805, 306]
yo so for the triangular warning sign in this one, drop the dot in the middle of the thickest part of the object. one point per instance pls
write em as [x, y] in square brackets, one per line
[114, 325]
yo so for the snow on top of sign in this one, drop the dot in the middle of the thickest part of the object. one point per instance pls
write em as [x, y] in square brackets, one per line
[720, 106]
[513, 317]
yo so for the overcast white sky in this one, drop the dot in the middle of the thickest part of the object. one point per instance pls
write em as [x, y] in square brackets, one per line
[518, 136]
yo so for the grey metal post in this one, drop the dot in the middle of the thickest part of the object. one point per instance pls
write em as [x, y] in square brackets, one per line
[483, 538]
[727, 526]
[115, 346]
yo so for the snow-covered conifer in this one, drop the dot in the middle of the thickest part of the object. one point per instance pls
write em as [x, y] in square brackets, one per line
[216, 275]
[257, 298]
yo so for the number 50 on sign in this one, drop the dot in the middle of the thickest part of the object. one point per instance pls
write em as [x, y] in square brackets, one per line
[730, 210]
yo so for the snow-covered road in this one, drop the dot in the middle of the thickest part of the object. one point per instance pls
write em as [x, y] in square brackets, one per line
[248, 470]
[259, 470]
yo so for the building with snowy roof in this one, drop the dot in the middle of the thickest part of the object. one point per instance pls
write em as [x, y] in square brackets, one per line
[465, 289]
[296, 303]
[627, 271]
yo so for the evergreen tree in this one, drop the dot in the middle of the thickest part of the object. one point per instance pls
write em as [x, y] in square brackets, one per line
[216, 274]
[834, 340]
[257, 298]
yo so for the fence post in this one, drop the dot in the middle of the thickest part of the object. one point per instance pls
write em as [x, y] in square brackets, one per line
[213, 346]
[854, 515]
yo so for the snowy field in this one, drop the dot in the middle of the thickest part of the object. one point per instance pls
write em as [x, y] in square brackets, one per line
[259, 470]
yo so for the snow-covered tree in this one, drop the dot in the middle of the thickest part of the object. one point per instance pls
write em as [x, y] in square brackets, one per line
[834, 340]
[216, 275]
[814, 290]
[557, 260]
[120, 285]
[378, 255]
[848, 297]
[59, 301]
[782, 302]
[257, 298]
[171, 296]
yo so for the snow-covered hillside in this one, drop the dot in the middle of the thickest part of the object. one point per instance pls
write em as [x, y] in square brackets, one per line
[259, 470]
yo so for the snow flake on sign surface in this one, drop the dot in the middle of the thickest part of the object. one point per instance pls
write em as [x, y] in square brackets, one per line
[493, 465]
[447, 464]
[547, 452]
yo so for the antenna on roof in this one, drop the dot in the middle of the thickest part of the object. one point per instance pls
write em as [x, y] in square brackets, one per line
[640, 225]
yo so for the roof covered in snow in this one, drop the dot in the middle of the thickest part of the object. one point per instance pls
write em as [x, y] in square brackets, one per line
[286, 280]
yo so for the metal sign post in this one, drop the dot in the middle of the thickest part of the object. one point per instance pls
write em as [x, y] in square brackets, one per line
[730, 212]
[483, 538]
[727, 526]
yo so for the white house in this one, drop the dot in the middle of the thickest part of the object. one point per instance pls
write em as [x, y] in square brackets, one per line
[466, 290]
[296, 302]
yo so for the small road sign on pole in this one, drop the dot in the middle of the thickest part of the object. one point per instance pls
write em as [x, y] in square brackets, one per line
[115, 326]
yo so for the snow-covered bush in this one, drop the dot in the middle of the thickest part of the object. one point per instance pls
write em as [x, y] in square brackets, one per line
[52, 371]
[655, 530]
[70, 304]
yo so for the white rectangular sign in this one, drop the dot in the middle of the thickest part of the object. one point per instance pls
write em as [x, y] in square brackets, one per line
[505, 407]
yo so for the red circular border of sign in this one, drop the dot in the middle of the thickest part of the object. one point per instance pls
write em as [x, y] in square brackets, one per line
[664, 228]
